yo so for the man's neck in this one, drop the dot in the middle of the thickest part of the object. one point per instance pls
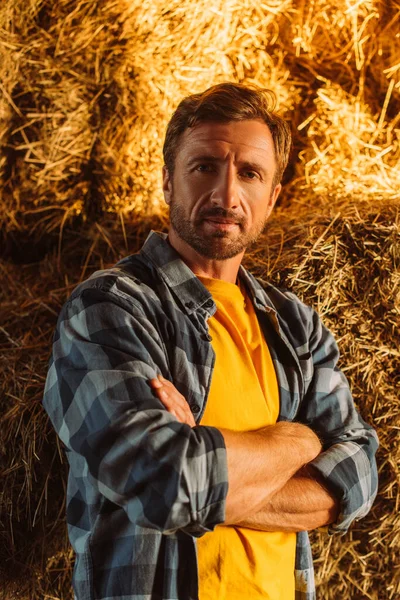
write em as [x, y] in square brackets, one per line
[226, 270]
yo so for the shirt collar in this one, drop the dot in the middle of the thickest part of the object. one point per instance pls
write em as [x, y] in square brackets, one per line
[189, 290]
[256, 291]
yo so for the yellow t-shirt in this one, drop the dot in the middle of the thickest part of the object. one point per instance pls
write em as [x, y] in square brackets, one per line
[237, 563]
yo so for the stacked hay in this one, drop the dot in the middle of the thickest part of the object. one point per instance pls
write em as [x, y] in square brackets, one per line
[346, 138]
[64, 106]
[86, 89]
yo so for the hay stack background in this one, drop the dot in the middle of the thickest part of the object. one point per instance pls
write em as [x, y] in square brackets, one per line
[86, 89]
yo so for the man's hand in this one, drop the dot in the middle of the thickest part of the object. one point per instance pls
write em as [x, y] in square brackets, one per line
[173, 401]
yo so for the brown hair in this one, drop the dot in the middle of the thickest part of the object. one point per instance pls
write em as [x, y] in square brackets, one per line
[229, 102]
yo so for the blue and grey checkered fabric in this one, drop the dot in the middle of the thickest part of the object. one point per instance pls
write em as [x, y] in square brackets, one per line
[143, 486]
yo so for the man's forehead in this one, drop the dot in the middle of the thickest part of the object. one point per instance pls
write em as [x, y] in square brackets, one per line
[243, 135]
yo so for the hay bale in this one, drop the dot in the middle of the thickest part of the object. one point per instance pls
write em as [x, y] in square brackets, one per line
[96, 88]
[384, 65]
[347, 143]
[29, 464]
[64, 99]
[335, 33]
[98, 81]
[7, 84]
[352, 153]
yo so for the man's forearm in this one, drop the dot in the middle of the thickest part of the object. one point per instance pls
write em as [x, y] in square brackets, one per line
[261, 462]
[302, 504]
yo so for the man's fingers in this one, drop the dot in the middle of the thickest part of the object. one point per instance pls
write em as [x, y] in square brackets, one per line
[168, 384]
[173, 401]
[156, 383]
[182, 414]
[163, 393]
[168, 391]
[160, 382]
[164, 396]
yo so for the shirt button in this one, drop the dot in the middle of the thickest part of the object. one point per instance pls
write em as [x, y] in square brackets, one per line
[208, 304]
[206, 337]
[194, 407]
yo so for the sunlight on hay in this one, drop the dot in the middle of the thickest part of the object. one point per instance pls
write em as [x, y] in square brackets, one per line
[185, 49]
[97, 83]
[49, 131]
[386, 63]
[352, 152]
[322, 27]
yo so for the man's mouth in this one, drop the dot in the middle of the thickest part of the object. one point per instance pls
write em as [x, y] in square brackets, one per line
[221, 223]
[221, 220]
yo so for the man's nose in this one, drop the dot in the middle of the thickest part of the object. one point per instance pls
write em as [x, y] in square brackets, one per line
[226, 192]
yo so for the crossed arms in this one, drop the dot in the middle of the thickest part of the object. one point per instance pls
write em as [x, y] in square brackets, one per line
[136, 452]
[270, 488]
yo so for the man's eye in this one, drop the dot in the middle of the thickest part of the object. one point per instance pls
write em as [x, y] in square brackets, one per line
[203, 167]
[250, 174]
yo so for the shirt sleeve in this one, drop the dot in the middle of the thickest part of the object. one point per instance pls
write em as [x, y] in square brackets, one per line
[165, 474]
[347, 463]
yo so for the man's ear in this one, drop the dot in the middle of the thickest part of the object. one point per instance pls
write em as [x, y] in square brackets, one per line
[166, 185]
[274, 195]
[273, 198]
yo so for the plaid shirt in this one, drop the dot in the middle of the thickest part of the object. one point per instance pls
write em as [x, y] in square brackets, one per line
[143, 486]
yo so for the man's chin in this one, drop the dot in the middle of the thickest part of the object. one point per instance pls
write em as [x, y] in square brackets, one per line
[217, 247]
[210, 243]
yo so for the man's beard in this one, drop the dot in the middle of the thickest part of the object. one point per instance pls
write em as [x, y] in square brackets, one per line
[218, 245]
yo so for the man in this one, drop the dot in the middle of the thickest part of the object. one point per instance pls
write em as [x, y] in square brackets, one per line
[207, 427]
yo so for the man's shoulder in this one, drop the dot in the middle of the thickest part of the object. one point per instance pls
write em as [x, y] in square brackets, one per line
[132, 278]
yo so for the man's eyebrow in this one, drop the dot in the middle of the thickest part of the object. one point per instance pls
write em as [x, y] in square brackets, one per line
[203, 158]
[211, 159]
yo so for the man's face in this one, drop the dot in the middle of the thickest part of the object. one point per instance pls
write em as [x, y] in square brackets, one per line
[221, 194]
